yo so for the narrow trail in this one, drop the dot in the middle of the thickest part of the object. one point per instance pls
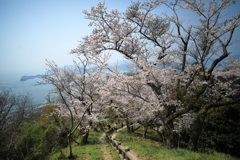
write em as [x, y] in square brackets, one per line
[104, 146]
[114, 136]
[115, 133]
[106, 151]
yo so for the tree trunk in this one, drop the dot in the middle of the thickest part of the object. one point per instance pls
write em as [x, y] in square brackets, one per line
[85, 137]
[128, 126]
[170, 137]
[70, 156]
[167, 130]
[197, 129]
[86, 131]
[145, 131]
[131, 127]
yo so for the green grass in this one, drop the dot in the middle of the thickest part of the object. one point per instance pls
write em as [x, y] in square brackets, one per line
[91, 151]
[150, 149]
[145, 149]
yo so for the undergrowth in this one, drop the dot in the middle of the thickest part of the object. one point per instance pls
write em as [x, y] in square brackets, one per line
[91, 151]
[151, 149]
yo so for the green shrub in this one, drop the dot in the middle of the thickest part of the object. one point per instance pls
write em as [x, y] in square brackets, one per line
[31, 144]
[37, 140]
[221, 130]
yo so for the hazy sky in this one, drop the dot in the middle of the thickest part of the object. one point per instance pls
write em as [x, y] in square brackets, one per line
[34, 30]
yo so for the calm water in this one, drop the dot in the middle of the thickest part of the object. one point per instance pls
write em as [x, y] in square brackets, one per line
[12, 81]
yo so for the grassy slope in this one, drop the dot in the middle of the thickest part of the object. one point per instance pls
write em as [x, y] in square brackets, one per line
[145, 149]
[92, 151]
[150, 149]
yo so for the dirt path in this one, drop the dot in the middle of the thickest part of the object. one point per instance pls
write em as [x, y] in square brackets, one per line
[115, 133]
[114, 136]
[106, 151]
[104, 145]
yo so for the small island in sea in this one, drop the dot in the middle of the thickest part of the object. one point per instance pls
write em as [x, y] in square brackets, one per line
[24, 78]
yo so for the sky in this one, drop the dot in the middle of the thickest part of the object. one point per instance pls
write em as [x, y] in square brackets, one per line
[34, 30]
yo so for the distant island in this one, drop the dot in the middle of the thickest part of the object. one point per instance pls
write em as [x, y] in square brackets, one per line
[122, 66]
[24, 78]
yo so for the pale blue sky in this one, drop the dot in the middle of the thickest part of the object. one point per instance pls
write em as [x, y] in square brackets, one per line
[34, 30]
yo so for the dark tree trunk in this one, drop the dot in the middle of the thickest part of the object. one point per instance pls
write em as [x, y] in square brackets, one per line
[145, 131]
[70, 156]
[170, 136]
[129, 130]
[197, 129]
[86, 131]
[131, 127]
[85, 137]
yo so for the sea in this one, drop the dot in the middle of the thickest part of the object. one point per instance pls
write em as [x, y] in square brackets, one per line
[12, 81]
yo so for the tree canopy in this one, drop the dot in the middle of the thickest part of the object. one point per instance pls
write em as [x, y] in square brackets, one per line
[176, 71]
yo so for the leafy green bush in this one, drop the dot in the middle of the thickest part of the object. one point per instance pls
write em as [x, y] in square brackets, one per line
[38, 138]
[31, 144]
[222, 129]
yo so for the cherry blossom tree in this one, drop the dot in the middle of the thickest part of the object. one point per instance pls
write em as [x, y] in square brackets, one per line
[130, 99]
[176, 62]
[78, 88]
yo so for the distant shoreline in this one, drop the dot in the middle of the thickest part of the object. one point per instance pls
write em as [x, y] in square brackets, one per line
[25, 78]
